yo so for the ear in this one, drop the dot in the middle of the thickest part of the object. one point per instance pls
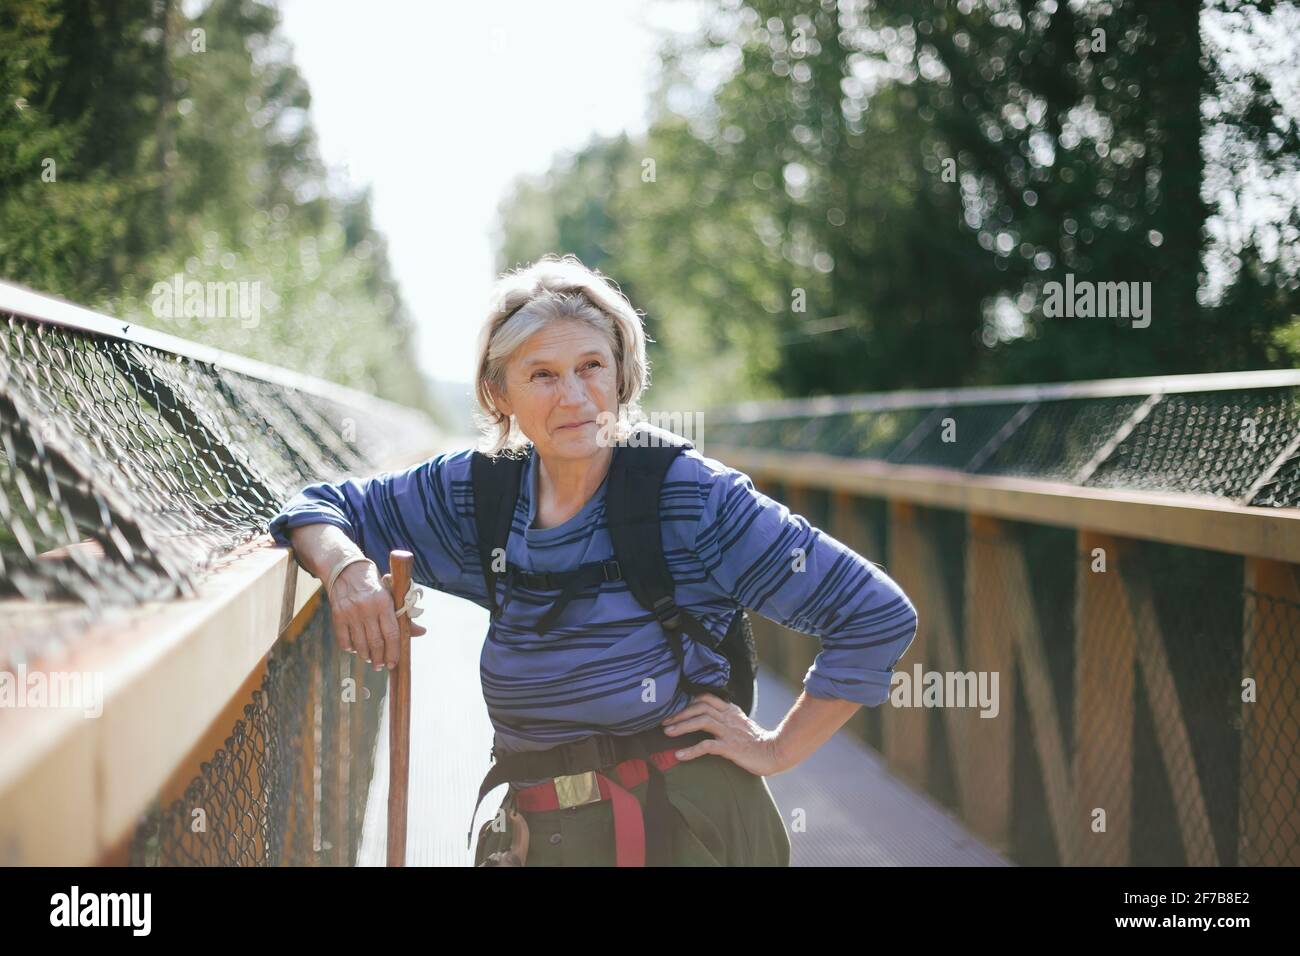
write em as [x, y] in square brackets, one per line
[500, 401]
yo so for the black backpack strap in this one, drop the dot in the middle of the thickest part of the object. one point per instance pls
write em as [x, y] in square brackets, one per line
[586, 576]
[636, 478]
[496, 488]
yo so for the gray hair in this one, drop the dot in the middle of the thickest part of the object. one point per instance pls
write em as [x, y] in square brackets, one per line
[524, 301]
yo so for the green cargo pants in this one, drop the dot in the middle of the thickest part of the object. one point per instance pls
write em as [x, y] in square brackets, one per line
[730, 813]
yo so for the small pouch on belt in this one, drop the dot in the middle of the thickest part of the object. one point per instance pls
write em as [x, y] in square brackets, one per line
[518, 830]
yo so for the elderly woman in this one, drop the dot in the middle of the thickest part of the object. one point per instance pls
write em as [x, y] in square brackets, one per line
[615, 726]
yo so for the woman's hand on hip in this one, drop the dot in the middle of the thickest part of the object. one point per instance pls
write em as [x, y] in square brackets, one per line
[365, 621]
[735, 736]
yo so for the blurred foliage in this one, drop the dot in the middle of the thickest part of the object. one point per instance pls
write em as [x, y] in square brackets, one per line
[137, 142]
[916, 170]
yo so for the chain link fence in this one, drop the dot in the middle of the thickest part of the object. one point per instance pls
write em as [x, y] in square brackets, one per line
[1234, 437]
[127, 472]
[1148, 704]
[289, 787]
[132, 467]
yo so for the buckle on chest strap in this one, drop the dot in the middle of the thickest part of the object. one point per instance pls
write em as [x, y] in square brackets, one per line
[668, 613]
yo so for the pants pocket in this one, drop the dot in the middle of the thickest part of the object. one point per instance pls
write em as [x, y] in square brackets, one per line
[697, 841]
[765, 832]
[739, 811]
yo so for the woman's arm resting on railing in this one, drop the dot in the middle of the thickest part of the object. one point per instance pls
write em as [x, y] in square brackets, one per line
[319, 547]
[361, 602]
[412, 510]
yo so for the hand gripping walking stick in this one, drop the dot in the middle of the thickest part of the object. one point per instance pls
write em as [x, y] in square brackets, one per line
[399, 711]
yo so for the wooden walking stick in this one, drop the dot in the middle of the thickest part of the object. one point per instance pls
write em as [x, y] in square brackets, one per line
[399, 714]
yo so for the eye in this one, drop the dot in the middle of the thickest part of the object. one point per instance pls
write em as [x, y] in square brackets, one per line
[545, 374]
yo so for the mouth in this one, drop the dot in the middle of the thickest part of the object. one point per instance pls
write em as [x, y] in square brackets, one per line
[573, 425]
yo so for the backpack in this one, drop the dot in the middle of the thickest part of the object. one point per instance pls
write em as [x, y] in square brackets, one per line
[636, 477]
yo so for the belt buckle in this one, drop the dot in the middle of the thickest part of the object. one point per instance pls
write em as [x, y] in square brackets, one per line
[576, 789]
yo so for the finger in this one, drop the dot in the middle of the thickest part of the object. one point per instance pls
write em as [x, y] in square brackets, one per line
[696, 706]
[341, 638]
[417, 630]
[712, 700]
[702, 722]
[357, 635]
[392, 637]
[690, 710]
[375, 637]
[693, 710]
[710, 746]
[343, 634]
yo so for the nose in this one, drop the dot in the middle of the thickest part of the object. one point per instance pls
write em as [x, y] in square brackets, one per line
[571, 391]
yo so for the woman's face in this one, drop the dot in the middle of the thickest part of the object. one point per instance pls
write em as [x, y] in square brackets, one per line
[561, 384]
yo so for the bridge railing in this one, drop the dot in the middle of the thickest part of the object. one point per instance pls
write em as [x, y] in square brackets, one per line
[1121, 554]
[170, 691]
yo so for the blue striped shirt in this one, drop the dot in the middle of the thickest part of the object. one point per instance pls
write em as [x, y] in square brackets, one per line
[606, 665]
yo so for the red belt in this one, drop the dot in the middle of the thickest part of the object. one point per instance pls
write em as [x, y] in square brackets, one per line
[593, 786]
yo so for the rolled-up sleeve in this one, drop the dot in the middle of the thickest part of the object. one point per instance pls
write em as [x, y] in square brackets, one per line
[410, 510]
[774, 562]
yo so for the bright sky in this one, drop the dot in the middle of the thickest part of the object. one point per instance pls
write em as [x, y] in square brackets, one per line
[439, 112]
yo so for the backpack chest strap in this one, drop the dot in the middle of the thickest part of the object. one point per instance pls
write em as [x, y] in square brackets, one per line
[578, 580]
[610, 570]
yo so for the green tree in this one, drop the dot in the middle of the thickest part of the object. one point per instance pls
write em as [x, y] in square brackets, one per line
[875, 195]
[185, 145]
